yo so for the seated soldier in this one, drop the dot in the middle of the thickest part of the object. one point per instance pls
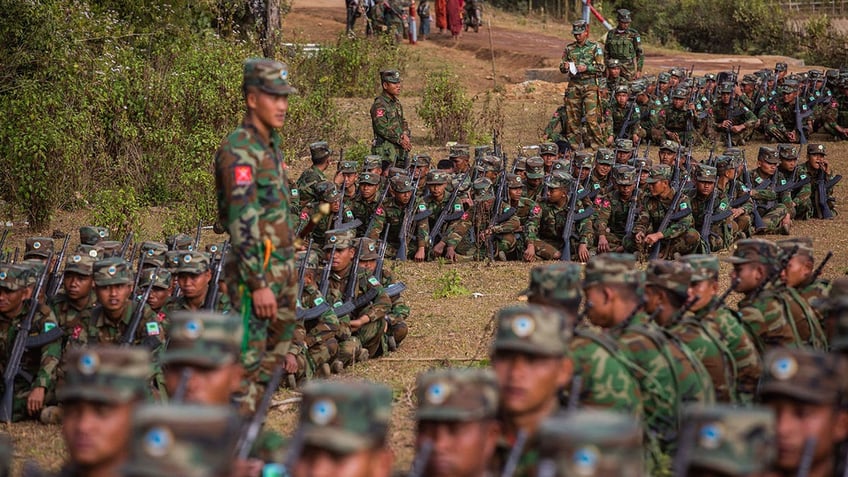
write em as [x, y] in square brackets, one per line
[487, 229]
[775, 208]
[397, 327]
[320, 153]
[613, 211]
[553, 218]
[721, 231]
[193, 276]
[822, 182]
[679, 237]
[394, 216]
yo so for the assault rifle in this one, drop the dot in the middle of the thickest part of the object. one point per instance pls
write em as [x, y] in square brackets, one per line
[251, 432]
[709, 218]
[572, 215]
[55, 280]
[214, 285]
[515, 454]
[23, 341]
[3, 237]
[196, 244]
[629, 120]
[306, 314]
[671, 215]
[379, 204]
[129, 335]
[447, 214]
[817, 272]
[634, 204]
[324, 284]
[721, 299]
[419, 464]
[775, 275]
[801, 112]
[822, 185]
[346, 307]
[410, 217]
[126, 244]
[755, 213]
[141, 260]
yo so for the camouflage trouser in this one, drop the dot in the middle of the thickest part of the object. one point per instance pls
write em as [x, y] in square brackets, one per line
[772, 219]
[397, 322]
[19, 401]
[722, 235]
[502, 242]
[684, 244]
[545, 250]
[583, 101]
[743, 226]
[803, 209]
[389, 152]
[780, 135]
[628, 69]
[737, 139]
[371, 336]
[616, 242]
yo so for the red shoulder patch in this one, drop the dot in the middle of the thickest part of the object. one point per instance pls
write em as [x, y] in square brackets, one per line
[465, 216]
[304, 215]
[381, 112]
[243, 175]
[536, 210]
[379, 211]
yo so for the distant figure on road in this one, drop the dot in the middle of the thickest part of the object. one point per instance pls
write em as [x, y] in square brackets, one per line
[455, 17]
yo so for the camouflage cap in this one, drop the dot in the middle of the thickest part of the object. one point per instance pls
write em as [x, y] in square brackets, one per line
[613, 63]
[624, 175]
[482, 189]
[514, 181]
[579, 26]
[390, 76]
[110, 248]
[172, 260]
[271, 77]
[558, 281]
[749, 79]
[421, 160]
[397, 171]
[535, 167]
[725, 88]
[38, 247]
[345, 417]
[532, 329]
[93, 251]
[563, 165]
[641, 162]
[193, 263]
[677, 71]
[816, 149]
[622, 89]
[13, 276]
[804, 246]
[604, 157]
[490, 163]
[723, 163]
[520, 164]
[803, 374]
[456, 394]
[369, 178]
[623, 144]
[705, 173]
[669, 145]
[327, 191]
[583, 160]
[203, 338]
[188, 440]
[659, 172]
[401, 184]
[787, 152]
[482, 151]
[559, 180]
[680, 93]
[349, 167]
[592, 443]
[313, 263]
[755, 250]
[340, 239]
[731, 440]
[154, 253]
[179, 242]
[663, 77]
[372, 162]
[319, 151]
[161, 280]
[638, 87]
[623, 15]
[33, 268]
[613, 268]
[437, 177]
[90, 235]
[112, 271]
[370, 249]
[459, 150]
[780, 66]
[704, 267]
[672, 276]
[530, 151]
[110, 374]
[81, 264]
[548, 148]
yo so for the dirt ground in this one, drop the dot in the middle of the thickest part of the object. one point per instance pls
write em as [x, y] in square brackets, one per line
[455, 331]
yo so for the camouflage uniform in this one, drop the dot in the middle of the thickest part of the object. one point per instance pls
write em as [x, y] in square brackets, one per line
[625, 45]
[388, 123]
[437, 207]
[553, 218]
[816, 176]
[253, 206]
[327, 194]
[557, 128]
[312, 176]
[620, 116]
[779, 117]
[194, 263]
[677, 121]
[527, 211]
[392, 216]
[39, 363]
[362, 209]
[582, 96]
[738, 114]
[722, 232]
[680, 236]
[802, 205]
[771, 205]
[67, 314]
[466, 234]
[611, 212]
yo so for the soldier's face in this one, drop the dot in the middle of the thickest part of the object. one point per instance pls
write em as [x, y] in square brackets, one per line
[113, 297]
[335, 206]
[556, 194]
[705, 290]
[269, 109]
[725, 98]
[194, 285]
[342, 258]
[626, 190]
[368, 191]
[614, 72]
[621, 157]
[549, 160]
[459, 448]
[209, 386]
[11, 300]
[789, 164]
[749, 274]
[621, 98]
[158, 297]
[788, 97]
[797, 271]
[437, 190]
[658, 188]
[528, 383]
[77, 286]
[766, 167]
[667, 157]
[318, 462]
[581, 37]
[97, 434]
[403, 197]
[798, 421]
[678, 103]
[515, 193]
[393, 89]
[815, 160]
[705, 188]
[350, 178]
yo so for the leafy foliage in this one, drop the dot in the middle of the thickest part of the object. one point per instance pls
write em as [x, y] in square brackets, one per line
[449, 284]
[446, 108]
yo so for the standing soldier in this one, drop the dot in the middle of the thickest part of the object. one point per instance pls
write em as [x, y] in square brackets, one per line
[624, 44]
[253, 206]
[822, 181]
[584, 60]
[391, 132]
[320, 153]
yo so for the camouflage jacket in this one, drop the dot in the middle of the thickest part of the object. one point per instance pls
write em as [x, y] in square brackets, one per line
[674, 120]
[801, 196]
[648, 116]
[534, 193]
[590, 55]
[306, 184]
[704, 339]
[462, 229]
[619, 116]
[766, 197]
[738, 114]
[805, 323]
[65, 312]
[40, 363]
[654, 210]
[326, 222]
[814, 190]
[611, 215]
[527, 462]
[101, 330]
[734, 190]
[180, 303]
[552, 224]
[376, 309]
[387, 120]
[557, 128]
[625, 45]
[391, 215]
[363, 211]
[324, 327]
[782, 115]
[253, 201]
[765, 316]
[528, 213]
[436, 207]
[699, 205]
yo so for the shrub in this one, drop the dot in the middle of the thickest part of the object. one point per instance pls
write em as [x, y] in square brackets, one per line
[449, 284]
[446, 108]
[117, 209]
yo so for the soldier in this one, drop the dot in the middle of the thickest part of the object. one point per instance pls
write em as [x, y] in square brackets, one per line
[647, 109]
[606, 380]
[667, 299]
[806, 390]
[755, 262]
[394, 216]
[613, 77]
[253, 206]
[91, 235]
[624, 44]
[182, 440]
[532, 363]
[626, 116]
[367, 321]
[600, 180]
[722, 232]
[557, 129]
[612, 211]
[30, 396]
[676, 119]
[73, 306]
[822, 181]
[527, 212]
[729, 441]
[799, 273]
[320, 153]
[734, 123]
[534, 186]
[679, 237]
[326, 193]
[343, 427]
[624, 150]
[737, 193]
[668, 153]
[38, 248]
[366, 203]
[612, 287]
[706, 310]
[790, 174]
[397, 316]
[807, 322]
[456, 414]
[193, 276]
[160, 295]
[486, 219]
[101, 388]
[584, 60]
[391, 132]
[346, 179]
[774, 207]
[437, 202]
[779, 119]
[460, 156]
[591, 443]
[324, 336]
[420, 168]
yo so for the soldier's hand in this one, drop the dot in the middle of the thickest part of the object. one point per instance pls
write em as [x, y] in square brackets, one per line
[737, 212]
[825, 166]
[637, 75]
[530, 253]
[726, 124]
[420, 255]
[653, 238]
[35, 401]
[338, 179]
[264, 303]
[451, 254]
[290, 363]
[786, 221]
[439, 249]
[583, 252]
[791, 136]
[603, 244]
[640, 237]
[405, 143]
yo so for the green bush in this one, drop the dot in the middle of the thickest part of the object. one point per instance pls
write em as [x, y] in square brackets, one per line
[446, 108]
[449, 284]
[117, 209]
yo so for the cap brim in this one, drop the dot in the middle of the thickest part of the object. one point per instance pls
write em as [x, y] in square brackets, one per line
[335, 439]
[522, 346]
[93, 394]
[735, 260]
[792, 390]
[208, 359]
[280, 91]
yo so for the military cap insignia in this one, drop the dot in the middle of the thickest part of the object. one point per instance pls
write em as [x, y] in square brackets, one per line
[76, 258]
[322, 412]
[187, 258]
[437, 393]
[213, 248]
[371, 247]
[333, 239]
[111, 270]
[158, 441]
[36, 245]
[193, 329]
[284, 74]
[585, 460]
[709, 437]
[92, 253]
[523, 326]
[101, 233]
[88, 363]
[784, 368]
[2, 275]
